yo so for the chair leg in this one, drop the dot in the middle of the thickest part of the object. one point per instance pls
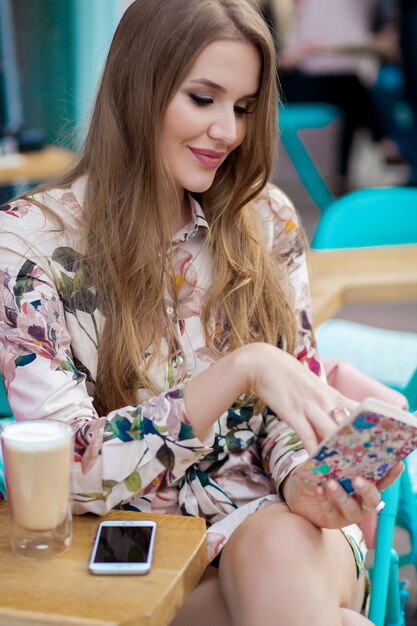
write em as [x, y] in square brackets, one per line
[397, 595]
[381, 570]
[292, 119]
[3, 420]
[407, 517]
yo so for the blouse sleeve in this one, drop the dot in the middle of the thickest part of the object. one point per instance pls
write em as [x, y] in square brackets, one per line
[134, 449]
[282, 449]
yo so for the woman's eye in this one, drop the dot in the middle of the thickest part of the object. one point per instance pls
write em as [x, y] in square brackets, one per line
[200, 100]
[239, 111]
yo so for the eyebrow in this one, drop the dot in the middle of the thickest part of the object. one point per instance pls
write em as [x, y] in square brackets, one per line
[217, 87]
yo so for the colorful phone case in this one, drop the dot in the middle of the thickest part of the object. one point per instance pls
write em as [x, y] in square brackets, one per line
[368, 446]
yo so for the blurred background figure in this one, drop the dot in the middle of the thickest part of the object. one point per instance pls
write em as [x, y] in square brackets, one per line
[408, 39]
[332, 52]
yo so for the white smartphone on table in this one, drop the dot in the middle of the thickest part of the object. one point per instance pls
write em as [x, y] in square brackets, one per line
[123, 547]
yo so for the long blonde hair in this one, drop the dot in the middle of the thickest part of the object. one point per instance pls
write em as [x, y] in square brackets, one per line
[130, 203]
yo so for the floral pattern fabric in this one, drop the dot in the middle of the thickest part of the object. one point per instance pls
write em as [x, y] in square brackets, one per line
[143, 457]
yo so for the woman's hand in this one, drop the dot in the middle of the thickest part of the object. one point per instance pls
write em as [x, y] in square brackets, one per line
[299, 397]
[330, 506]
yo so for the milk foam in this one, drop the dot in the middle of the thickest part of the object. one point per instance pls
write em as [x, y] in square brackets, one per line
[37, 457]
[36, 435]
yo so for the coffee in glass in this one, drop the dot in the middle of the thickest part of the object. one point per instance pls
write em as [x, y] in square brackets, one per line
[37, 459]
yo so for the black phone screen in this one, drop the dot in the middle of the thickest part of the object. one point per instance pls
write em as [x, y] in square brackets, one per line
[123, 544]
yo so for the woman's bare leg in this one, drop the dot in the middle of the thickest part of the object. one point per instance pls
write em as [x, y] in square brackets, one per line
[205, 606]
[351, 618]
[278, 568]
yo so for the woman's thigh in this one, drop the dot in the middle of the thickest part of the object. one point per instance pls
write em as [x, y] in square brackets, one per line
[279, 564]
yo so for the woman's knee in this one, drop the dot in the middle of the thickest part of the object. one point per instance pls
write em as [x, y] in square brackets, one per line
[271, 541]
[276, 564]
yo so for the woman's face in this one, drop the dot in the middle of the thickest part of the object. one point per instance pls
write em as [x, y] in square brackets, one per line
[207, 117]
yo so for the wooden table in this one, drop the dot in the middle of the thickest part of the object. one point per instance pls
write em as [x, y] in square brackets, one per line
[36, 166]
[340, 277]
[61, 592]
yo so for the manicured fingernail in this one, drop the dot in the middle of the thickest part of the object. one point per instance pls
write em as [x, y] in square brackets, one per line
[332, 485]
[320, 491]
[359, 482]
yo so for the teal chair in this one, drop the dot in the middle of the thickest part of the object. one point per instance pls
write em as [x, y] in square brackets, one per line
[292, 120]
[388, 595]
[366, 217]
[380, 216]
[389, 356]
[5, 410]
[5, 416]
[406, 514]
[372, 217]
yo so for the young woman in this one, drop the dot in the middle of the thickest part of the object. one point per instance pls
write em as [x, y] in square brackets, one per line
[156, 297]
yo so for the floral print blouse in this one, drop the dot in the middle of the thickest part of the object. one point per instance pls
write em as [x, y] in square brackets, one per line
[143, 457]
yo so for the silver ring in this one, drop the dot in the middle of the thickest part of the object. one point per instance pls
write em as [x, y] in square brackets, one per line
[378, 508]
[339, 414]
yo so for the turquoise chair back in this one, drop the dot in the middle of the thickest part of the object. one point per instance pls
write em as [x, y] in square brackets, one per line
[296, 117]
[5, 416]
[3, 494]
[5, 409]
[377, 217]
[361, 218]
[388, 597]
[369, 217]
[389, 356]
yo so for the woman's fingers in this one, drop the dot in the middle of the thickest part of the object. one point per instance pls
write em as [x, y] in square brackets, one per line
[318, 425]
[396, 471]
[352, 508]
[369, 493]
[312, 427]
[349, 507]
[302, 400]
[305, 431]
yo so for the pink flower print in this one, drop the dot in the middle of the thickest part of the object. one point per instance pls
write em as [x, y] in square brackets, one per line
[70, 201]
[188, 296]
[41, 332]
[344, 450]
[32, 330]
[7, 362]
[311, 361]
[166, 501]
[221, 333]
[18, 208]
[285, 215]
[7, 302]
[215, 542]
[206, 354]
[173, 425]
[88, 442]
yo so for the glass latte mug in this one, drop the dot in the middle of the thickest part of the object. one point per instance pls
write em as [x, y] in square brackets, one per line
[37, 461]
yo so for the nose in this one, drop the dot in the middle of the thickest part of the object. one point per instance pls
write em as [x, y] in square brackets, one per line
[224, 127]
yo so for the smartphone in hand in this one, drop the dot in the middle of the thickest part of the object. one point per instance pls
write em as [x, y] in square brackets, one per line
[369, 443]
[123, 547]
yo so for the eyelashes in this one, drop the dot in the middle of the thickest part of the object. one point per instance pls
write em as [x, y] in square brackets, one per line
[200, 100]
[241, 111]
[207, 100]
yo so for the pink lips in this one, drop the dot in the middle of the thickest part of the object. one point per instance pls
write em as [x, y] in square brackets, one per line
[208, 158]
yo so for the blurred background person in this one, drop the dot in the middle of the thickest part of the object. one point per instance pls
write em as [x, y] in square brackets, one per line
[408, 40]
[331, 52]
